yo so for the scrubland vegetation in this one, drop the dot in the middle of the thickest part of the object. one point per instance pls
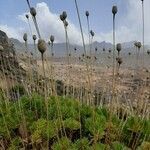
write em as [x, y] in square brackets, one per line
[40, 112]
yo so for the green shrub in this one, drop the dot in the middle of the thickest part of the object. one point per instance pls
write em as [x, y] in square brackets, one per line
[42, 129]
[63, 144]
[71, 124]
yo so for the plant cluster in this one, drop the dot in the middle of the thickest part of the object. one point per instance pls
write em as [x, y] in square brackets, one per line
[24, 124]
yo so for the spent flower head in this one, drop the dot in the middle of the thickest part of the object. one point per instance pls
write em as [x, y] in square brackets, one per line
[41, 46]
[114, 10]
[34, 37]
[27, 16]
[87, 13]
[119, 47]
[33, 11]
[25, 37]
[92, 33]
[52, 38]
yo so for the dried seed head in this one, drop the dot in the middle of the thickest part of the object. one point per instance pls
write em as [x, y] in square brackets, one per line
[87, 13]
[109, 51]
[139, 45]
[88, 57]
[104, 50]
[146, 71]
[92, 33]
[64, 15]
[119, 60]
[148, 52]
[114, 10]
[33, 11]
[118, 47]
[34, 37]
[1, 48]
[135, 44]
[65, 23]
[27, 16]
[52, 38]
[96, 49]
[129, 53]
[75, 49]
[61, 17]
[25, 37]
[41, 46]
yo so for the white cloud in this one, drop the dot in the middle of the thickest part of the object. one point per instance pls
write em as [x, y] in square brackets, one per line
[12, 32]
[132, 30]
[49, 23]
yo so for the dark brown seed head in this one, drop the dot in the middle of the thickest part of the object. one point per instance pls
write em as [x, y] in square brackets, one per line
[52, 38]
[88, 57]
[33, 11]
[114, 10]
[92, 33]
[64, 15]
[87, 13]
[41, 46]
[146, 71]
[109, 51]
[61, 17]
[118, 47]
[135, 44]
[96, 49]
[25, 37]
[148, 52]
[75, 49]
[129, 53]
[27, 16]
[34, 37]
[119, 60]
[139, 45]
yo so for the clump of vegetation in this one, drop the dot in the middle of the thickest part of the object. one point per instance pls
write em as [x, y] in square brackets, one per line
[33, 116]
[95, 127]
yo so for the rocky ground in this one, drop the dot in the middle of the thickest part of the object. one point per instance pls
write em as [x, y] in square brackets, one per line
[130, 81]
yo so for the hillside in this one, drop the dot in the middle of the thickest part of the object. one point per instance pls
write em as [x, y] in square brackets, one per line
[60, 48]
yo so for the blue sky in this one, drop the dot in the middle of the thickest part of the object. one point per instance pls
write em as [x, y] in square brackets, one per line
[99, 10]
[100, 15]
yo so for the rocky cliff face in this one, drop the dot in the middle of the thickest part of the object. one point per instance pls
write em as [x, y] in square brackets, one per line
[9, 65]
